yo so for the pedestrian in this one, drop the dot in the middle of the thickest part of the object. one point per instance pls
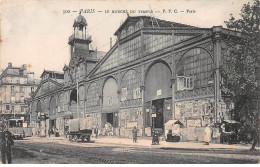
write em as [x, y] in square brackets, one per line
[255, 138]
[49, 132]
[207, 135]
[155, 137]
[38, 133]
[57, 133]
[8, 146]
[134, 131]
[2, 143]
[96, 132]
[5, 144]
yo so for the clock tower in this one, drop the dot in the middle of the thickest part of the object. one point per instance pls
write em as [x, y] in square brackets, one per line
[79, 41]
[82, 59]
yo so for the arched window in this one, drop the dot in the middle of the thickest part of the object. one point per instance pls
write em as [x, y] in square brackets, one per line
[194, 70]
[123, 34]
[92, 95]
[60, 103]
[53, 106]
[130, 30]
[130, 86]
[137, 26]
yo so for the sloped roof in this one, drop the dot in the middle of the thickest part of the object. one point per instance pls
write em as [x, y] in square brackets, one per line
[152, 21]
[50, 72]
[58, 82]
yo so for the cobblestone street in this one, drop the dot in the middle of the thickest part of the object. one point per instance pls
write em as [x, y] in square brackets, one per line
[59, 150]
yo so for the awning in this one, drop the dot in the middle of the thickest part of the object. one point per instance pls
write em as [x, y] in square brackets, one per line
[171, 122]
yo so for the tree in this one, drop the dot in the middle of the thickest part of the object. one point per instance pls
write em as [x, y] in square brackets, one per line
[241, 69]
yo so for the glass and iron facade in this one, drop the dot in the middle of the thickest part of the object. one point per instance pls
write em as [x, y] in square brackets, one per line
[151, 75]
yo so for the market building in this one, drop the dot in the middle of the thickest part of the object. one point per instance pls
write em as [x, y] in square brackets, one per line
[16, 84]
[155, 72]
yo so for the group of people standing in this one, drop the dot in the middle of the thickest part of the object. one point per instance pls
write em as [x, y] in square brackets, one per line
[53, 131]
[6, 142]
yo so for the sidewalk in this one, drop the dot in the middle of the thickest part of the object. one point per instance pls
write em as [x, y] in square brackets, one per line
[146, 142]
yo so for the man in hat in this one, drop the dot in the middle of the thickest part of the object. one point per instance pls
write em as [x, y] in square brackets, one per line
[134, 131]
[2, 143]
[5, 144]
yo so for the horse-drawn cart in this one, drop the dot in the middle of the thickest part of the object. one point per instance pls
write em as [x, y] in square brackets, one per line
[79, 129]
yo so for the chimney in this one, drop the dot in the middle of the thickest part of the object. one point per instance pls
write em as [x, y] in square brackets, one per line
[24, 66]
[96, 54]
[9, 64]
[110, 43]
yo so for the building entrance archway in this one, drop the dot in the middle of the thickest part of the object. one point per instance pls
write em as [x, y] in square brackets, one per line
[158, 93]
[110, 103]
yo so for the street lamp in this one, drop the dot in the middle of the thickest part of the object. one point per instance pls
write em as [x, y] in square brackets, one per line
[153, 116]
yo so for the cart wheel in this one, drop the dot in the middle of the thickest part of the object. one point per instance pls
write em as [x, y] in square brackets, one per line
[75, 138]
[70, 138]
[88, 138]
[83, 139]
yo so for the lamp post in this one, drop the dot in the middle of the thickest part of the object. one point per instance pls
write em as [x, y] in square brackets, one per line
[153, 116]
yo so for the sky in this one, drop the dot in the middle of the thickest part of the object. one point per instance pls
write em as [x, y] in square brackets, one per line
[36, 32]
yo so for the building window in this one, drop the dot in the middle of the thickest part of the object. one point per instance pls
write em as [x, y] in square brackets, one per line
[23, 109]
[123, 94]
[130, 86]
[32, 89]
[20, 72]
[111, 61]
[21, 89]
[60, 102]
[153, 43]
[130, 50]
[92, 95]
[110, 101]
[138, 26]
[123, 34]
[130, 30]
[12, 99]
[194, 69]
[12, 89]
[7, 107]
[184, 83]
[22, 99]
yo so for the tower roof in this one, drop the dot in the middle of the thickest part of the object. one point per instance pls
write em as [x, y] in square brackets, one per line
[80, 20]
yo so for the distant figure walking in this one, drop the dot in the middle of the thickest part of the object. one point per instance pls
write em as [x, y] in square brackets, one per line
[49, 132]
[96, 132]
[134, 131]
[57, 134]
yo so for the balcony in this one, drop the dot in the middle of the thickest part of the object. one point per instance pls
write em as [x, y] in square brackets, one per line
[80, 38]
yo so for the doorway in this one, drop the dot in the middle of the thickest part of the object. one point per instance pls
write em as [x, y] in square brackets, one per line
[52, 124]
[110, 118]
[159, 119]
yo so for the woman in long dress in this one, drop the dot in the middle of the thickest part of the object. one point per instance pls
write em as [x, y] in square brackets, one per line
[207, 135]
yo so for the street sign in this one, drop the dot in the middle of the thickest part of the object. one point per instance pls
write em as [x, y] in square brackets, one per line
[153, 115]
